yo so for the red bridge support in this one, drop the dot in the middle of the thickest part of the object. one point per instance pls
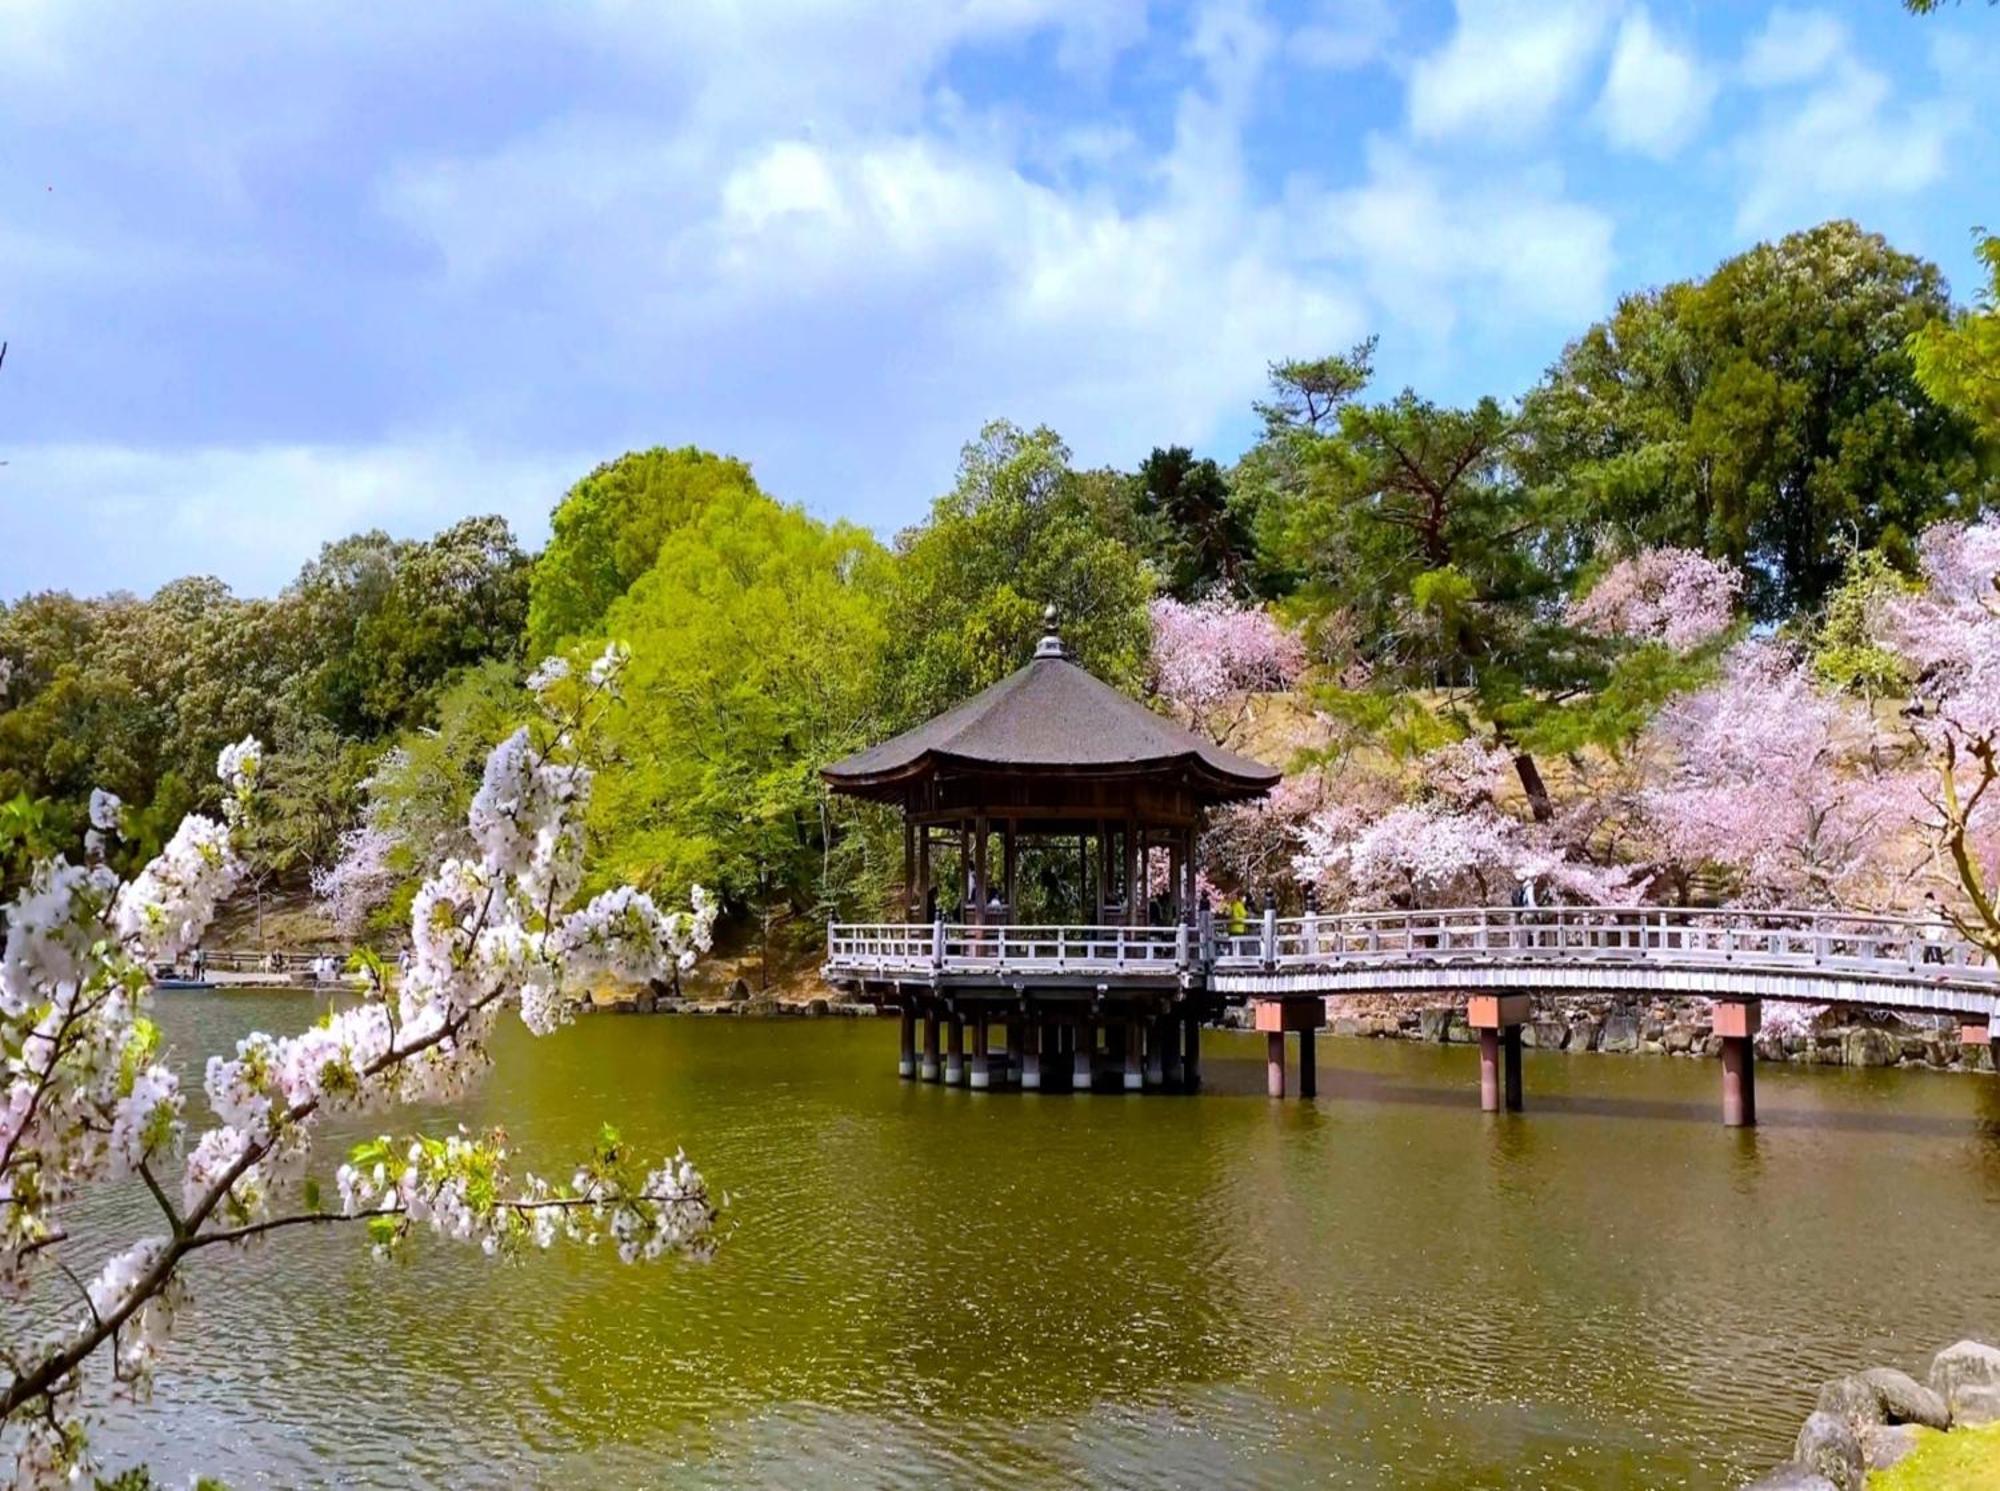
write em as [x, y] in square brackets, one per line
[1498, 1019]
[1276, 1016]
[1976, 1030]
[1737, 1022]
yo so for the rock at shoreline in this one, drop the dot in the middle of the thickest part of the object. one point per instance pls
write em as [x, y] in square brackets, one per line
[1621, 1033]
[1967, 1377]
[1906, 1400]
[1792, 1476]
[1884, 1445]
[1435, 1024]
[1853, 1399]
[1545, 1035]
[1867, 1046]
[1828, 1446]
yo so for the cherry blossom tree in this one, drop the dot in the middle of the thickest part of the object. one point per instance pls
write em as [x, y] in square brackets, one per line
[89, 1104]
[360, 880]
[1206, 653]
[1948, 637]
[1777, 784]
[1450, 843]
[1679, 597]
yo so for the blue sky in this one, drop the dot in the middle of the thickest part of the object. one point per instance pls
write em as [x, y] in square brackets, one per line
[274, 273]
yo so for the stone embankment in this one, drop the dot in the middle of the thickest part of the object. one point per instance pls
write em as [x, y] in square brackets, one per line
[1874, 1420]
[1840, 1036]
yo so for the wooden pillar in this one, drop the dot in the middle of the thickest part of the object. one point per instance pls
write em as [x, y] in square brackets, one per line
[1083, 1067]
[954, 1051]
[980, 894]
[1489, 1071]
[1156, 1051]
[1103, 872]
[912, 907]
[1170, 1039]
[1031, 1051]
[1010, 1049]
[1498, 1019]
[1737, 1022]
[1191, 1061]
[923, 873]
[1135, 1053]
[1274, 1063]
[1308, 1072]
[1135, 893]
[1083, 878]
[1009, 854]
[981, 1076]
[906, 1057]
[930, 1067]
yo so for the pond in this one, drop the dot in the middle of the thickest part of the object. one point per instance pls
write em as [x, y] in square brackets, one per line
[1382, 1288]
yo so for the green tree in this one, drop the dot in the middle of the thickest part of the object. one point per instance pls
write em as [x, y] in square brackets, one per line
[1014, 536]
[1203, 540]
[1958, 361]
[755, 639]
[1769, 414]
[608, 529]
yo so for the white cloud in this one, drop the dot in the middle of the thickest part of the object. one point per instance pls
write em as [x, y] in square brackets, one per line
[1656, 94]
[1793, 46]
[1831, 137]
[1506, 67]
[1503, 249]
[1344, 34]
[252, 514]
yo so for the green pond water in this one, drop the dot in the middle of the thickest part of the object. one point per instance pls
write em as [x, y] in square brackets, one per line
[1381, 1288]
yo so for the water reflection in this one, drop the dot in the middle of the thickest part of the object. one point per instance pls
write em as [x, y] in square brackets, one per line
[1382, 1287]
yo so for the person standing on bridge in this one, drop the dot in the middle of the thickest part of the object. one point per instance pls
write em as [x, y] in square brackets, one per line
[1524, 906]
[1935, 929]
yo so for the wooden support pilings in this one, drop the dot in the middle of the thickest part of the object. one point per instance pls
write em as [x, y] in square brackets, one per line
[1737, 1022]
[954, 1054]
[1135, 1054]
[1277, 1016]
[1308, 1070]
[1191, 1061]
[1031, 1052]
[1082, 1069]
[931, 1069]
[1498, 1019]
[906, 1054]
[981, 1074]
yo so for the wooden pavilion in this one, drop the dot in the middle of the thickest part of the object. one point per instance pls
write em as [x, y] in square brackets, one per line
[1048, 793]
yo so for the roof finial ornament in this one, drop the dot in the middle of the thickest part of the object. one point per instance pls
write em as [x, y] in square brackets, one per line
[1051, 644]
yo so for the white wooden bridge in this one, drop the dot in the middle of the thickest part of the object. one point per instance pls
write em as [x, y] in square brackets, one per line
[1286, 968]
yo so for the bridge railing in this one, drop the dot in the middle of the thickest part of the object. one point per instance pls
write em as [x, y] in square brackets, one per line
[972, 948]
[1690, 936]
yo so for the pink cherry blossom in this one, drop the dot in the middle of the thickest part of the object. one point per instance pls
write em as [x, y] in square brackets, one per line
[1677, 596]
[1211, 651]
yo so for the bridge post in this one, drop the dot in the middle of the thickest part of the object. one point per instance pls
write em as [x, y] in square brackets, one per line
[906, 1057]
[1031, 1052]
[1086, 1050]
[982, 1076]
[1274, 1063]
[954, 1050]
[1275, 1017]
[1170, 1041]
[1736, 1021]
[1498, 1019]
[1156, 1050]
[1308, 1071]
[930, 1067]
[1191, 1062]
[1135, 1053]
[1975, 1031]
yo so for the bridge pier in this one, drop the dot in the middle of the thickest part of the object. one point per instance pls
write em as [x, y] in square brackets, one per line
[930, 1066]
[1737, 1022]
[1081, 1065]
[1498, 1019]
[1031, 1054]
[982, 1076]
[906, 1052]
[1191, 1060]
[1975, 1031]
[1135, 1054]
[954, 1050]
[1276, 1016]
[1170, 1050]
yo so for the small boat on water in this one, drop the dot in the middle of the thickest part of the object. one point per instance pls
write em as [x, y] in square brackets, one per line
[182, 983]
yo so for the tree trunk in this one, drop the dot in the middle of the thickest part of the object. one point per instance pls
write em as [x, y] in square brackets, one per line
[1532, 784]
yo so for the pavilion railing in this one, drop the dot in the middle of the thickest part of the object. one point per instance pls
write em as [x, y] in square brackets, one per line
[972, 948]
[1835, 943]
